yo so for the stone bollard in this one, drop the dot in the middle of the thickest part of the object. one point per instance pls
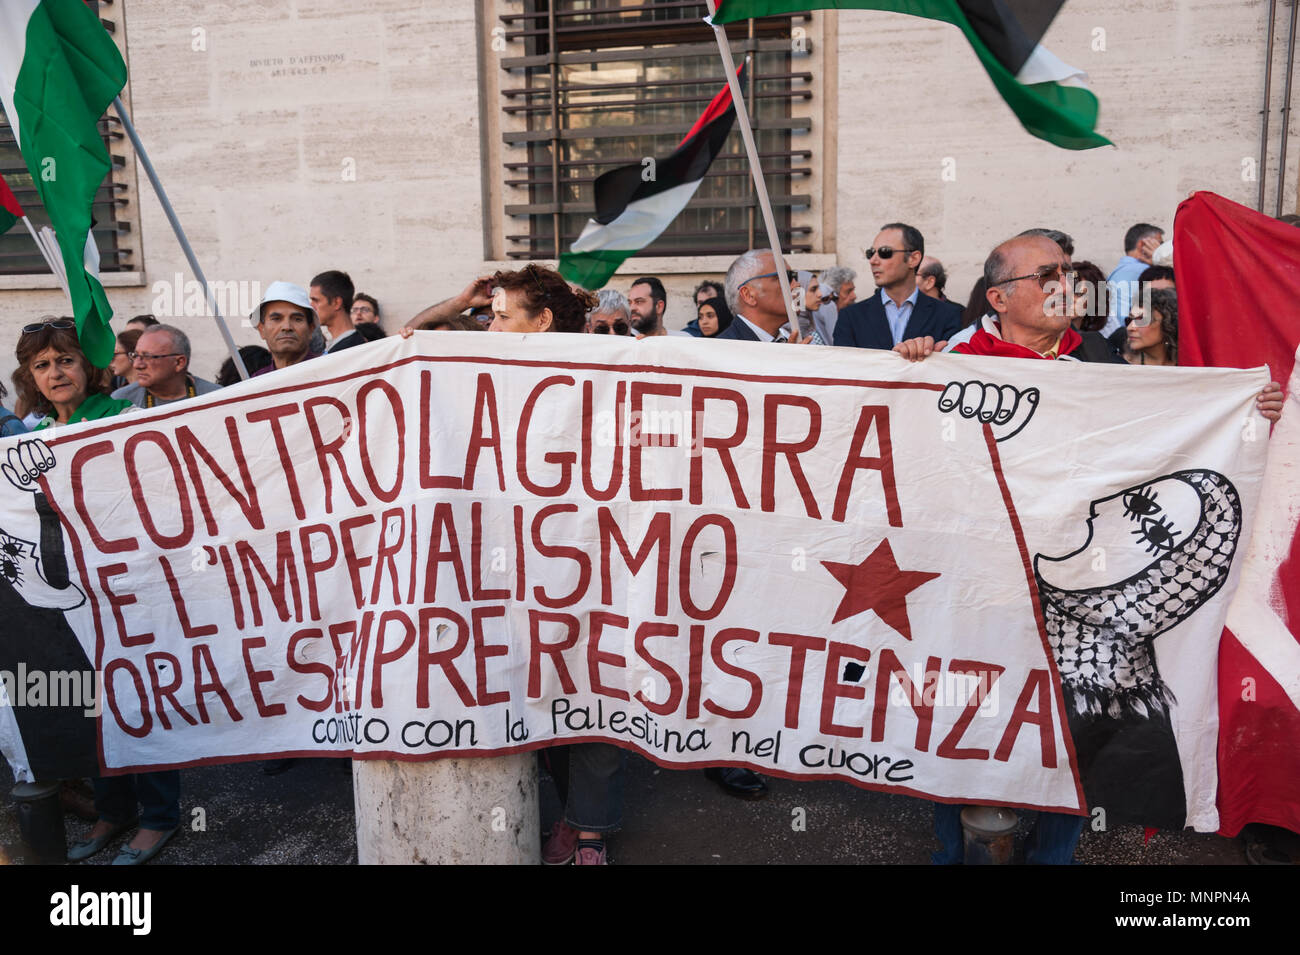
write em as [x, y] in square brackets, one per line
[989, 833]
[40, 821]
[447, 811]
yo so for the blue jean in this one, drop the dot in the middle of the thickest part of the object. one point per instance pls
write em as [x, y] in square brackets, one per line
[589, 778]
[1051, 841]
[159, 795]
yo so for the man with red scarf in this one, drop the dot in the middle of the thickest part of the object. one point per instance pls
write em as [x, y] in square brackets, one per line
[1030, 290]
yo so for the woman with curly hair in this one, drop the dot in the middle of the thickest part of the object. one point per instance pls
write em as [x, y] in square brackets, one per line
[532, 299]
[1153, 334]
[57, 377]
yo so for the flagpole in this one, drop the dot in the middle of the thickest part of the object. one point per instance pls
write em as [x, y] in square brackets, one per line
[180, 235]
[755, 170]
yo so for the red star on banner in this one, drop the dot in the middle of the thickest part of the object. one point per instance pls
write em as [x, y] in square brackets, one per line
[877, 584]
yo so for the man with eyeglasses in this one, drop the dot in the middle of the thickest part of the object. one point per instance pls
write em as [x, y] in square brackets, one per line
[1030, 294]
[161, 360]
[897, 311]
[1031, 291]
[755, 299]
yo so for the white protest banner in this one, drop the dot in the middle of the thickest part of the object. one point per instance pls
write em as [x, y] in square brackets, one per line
[815, 562]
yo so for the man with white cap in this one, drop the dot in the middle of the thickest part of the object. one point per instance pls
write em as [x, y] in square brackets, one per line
[285, 320]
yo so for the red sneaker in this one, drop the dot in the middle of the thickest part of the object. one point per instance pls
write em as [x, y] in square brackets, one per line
[591, 852]
[560, 846]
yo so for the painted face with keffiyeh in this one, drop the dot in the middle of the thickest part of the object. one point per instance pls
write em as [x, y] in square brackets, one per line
[1155, 554]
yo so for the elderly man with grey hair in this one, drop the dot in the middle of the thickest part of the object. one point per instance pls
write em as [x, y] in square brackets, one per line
[162, 370]
[754, 297]
[837, 285]
[611, 314]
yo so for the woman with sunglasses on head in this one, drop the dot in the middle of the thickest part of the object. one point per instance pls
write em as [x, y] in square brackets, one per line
[69, 389]
[714, 317]
[1152, 334]
[63, 385]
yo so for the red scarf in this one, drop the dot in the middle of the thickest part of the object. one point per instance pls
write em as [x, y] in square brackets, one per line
[985, 342]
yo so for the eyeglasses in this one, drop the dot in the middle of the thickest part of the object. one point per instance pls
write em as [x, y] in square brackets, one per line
[790, 276]
[618, 328]
[141, 356]
[363, 308]
[1046, 275]
[886, 253]
[62, 324]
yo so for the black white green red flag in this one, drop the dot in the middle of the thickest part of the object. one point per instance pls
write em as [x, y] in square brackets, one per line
[1046, 94]
[59, 71]
[635, 203]
[10, 210]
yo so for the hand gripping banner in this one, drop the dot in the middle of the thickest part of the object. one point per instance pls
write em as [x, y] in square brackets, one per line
[972, 579]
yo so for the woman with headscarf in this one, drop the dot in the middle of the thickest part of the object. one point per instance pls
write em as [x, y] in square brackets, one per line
[714, 317]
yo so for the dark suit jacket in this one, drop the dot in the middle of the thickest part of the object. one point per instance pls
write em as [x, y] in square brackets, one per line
[863, 324]
[351, 340]
[737, 331]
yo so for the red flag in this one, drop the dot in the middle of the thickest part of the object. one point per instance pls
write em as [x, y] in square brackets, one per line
[1239, 305]
[10, 210]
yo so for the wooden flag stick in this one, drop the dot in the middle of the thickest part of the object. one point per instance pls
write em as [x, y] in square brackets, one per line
[755, 168]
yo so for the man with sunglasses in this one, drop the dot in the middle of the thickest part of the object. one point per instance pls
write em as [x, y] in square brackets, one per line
[610, 316]
[897, 311]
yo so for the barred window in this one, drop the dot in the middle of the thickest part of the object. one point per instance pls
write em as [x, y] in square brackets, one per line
[114, 208]
[607, 83]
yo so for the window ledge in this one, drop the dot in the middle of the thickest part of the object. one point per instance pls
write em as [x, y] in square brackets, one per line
[681, 264]
[10, 283]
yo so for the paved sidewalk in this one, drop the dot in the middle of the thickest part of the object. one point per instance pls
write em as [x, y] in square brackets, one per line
[305, 816]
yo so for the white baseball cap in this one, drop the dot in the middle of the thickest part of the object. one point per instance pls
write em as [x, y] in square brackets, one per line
[282, 292]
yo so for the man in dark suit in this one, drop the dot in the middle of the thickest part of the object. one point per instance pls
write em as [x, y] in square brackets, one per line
[897, 311]
[754, 295]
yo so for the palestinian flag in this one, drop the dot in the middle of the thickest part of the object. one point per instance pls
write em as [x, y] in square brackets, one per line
[1045, 94]
[634, 204]
[10, 210]
[59, 70]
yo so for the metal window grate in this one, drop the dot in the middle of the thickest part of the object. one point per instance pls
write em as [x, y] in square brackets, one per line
[604, 83]
[112, 229]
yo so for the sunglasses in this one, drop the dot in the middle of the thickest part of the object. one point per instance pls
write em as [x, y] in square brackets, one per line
[141, 356]
[618, 328]
[1140, 320]
[790, 276]
[886, 253]
[1046, 275]
[62, 324]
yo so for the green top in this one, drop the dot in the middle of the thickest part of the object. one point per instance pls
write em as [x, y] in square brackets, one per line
[95, 406]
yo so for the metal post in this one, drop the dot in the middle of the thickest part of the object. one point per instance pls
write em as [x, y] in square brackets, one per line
[1268, 85]
[180, 234]
[755, 170]
[1286, 111]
